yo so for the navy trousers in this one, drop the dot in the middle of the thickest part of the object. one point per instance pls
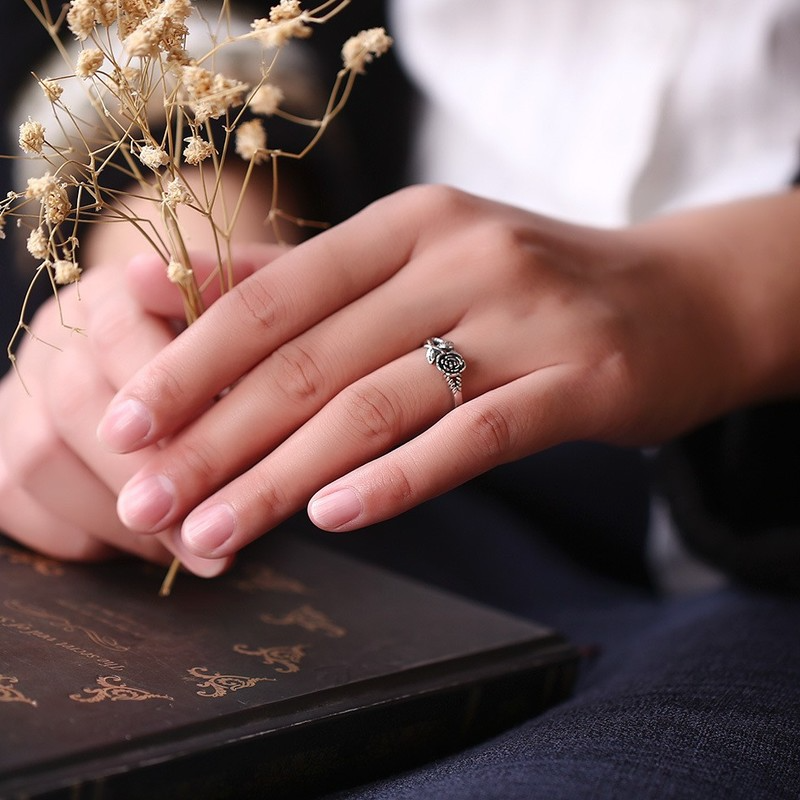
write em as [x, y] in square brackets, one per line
[687, 697]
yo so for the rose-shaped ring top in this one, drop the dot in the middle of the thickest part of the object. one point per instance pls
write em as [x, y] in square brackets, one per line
[442, 354]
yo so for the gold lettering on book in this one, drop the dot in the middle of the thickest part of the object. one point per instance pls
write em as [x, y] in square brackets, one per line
[25, 629]
[308, 618]
[10, 694]
[106, 617]
[112, 688]
[265, 579]
[287, 657]
[218, 685]
[39, 564]
[64, 624]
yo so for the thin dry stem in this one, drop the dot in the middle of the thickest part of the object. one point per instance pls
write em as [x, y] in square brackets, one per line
[125, 142]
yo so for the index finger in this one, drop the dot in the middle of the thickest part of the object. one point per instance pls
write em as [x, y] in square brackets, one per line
[271, 307]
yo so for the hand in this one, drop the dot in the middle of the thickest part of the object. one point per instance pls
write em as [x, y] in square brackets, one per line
[568, 332]
[58, 486]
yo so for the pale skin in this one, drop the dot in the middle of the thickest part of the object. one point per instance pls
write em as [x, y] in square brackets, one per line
[58, 485]
[628, 336]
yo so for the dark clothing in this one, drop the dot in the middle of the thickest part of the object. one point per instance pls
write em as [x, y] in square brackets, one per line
[686, 697]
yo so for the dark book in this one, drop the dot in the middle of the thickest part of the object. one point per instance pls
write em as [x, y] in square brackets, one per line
[300, 672]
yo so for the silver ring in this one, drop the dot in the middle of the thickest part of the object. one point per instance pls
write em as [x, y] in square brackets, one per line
[442, 354]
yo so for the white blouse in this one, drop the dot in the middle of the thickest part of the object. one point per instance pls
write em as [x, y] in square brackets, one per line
[605, 111]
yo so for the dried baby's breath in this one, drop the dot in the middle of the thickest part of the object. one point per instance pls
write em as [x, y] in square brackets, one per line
[197, 150]
[176, 193]
[153, 157]
[31, 136]
[66, 272]
[152, 107]
[360, 50]
[38, 244]
[178, 273]
[251, 141]
[266, 99]
[285, 9]
[89, 61]
[52, 89]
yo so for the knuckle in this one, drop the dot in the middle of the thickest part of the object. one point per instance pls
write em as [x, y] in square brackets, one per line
[163, 388]
[397, 491]
[260, 309]
[489, 431]
[298, 375]
[268, 501]
[504, 245]
[436, 200]
[370, 413]
[197, 461]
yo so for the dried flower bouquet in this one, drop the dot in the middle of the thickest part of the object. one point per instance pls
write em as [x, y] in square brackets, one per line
[147, 109]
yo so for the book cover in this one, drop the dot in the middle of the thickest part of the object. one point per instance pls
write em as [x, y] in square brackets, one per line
[299, 672]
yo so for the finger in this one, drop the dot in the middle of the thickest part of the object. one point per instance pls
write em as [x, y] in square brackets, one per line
[86, 470]
[146, 276]
[60, 484]
[265, 407]
[37, 528]
[364, 421]
[493, 429]
[275, 305]
[299, 378]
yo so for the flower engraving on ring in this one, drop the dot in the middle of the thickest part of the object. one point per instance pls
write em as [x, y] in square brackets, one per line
[441, 353]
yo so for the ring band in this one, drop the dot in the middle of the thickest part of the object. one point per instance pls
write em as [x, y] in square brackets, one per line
[442, 354]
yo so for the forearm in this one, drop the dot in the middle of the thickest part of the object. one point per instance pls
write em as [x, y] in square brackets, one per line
[743, 261]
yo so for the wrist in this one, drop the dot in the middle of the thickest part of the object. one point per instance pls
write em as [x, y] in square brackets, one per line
[740, 261]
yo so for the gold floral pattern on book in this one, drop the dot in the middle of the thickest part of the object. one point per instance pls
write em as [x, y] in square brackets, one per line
[112, 688]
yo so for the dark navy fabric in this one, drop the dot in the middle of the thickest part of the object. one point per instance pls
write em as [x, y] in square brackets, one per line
[690, 697]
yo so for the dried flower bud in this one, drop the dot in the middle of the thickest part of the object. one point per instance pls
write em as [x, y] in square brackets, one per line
[83, 15]
[31, 136]
[251, 141]
[81, 18]
[162, 30]
[56, 205]
[197, 150]
[267, 99]
[2, 226]
[178, 273]
[38, 243]
[286, 9]
[66, 272]
[89, 61]
[52, 89]
[276, 32]
[107, 11]
[176, 193]
[143, 41]
[210, 95]
[38, 187]
[153, 157]
[361, 49]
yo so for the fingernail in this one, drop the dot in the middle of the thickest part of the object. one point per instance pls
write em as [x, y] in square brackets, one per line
[202, 567]
[125, 425]
[144, 504]
[336, 509]
[206, 530]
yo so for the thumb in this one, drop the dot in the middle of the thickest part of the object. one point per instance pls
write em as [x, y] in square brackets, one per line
[146, 275]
